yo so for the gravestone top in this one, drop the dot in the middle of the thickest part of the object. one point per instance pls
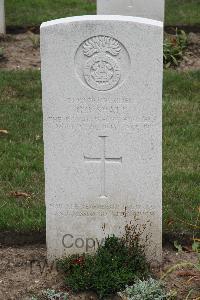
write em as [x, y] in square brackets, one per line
[151, 9]
[114, 18]
[102, 114]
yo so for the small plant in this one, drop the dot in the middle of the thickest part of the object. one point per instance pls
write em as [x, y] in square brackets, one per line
[174, 46]
[51, 295]
[1, 53]
[35, 40]
[110, 269]
[150, 289]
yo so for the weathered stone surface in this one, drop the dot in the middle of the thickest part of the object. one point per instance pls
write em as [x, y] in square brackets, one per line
[2, 17]
[102, 94]
[152, 9]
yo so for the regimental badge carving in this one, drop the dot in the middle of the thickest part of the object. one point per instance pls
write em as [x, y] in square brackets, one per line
[101, 62]
[101, 71]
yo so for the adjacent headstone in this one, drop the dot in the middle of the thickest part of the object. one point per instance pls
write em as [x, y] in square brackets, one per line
[2, 17]
[152, 9]
[102, 94]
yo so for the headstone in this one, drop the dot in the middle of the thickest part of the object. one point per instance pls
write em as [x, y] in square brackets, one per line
[152, 9]
[102, 94]
[2, 17]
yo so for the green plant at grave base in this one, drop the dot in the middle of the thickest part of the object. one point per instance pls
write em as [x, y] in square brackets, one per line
[35, 40]
[51, 295]
[1, 53]
[110, 269]
[173, 48]
[151, 289]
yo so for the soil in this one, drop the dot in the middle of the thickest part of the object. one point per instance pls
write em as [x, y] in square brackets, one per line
[15, 238]
[21, 51]
[191, 59]
[25, 272]
[182, 280]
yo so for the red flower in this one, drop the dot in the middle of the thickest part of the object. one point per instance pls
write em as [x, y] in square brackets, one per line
[78, 261]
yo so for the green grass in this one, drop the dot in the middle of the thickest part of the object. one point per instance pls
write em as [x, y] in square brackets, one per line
[181, 109]
[21, 151]
[34, 12]
[21, 164]
[182, 12]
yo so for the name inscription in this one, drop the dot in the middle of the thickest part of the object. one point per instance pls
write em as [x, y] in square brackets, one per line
[100, 113]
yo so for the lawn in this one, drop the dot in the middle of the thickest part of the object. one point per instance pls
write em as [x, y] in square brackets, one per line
[181, 151]
[182, 12]
[21, 151]
[34, 12]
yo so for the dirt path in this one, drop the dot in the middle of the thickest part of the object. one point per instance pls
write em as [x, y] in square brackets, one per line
[21, 51]
[24, 272]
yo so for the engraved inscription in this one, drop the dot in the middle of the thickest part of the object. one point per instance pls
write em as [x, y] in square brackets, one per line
[102, 62]
[103, 160]
[99, 209]
[102, 113]
[96, 213]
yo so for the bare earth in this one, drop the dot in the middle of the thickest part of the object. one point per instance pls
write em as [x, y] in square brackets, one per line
[24, 272]
[191, 60]
[21, 51]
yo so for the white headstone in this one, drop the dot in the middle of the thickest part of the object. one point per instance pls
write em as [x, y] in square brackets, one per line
[102, 94]
[152, 9]
[2, 17]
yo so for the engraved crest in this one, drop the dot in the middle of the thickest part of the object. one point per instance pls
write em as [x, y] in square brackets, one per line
[102, 71]
[102, 62]
[101, 44]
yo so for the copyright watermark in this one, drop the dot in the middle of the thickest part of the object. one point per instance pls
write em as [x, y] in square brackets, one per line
[87, 244]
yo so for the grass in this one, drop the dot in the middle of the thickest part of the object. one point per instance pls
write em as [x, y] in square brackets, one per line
[34, 12]
[182, 12]
[21, 151]
[181, 180]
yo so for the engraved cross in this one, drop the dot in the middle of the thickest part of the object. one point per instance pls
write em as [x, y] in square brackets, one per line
[103, 160]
